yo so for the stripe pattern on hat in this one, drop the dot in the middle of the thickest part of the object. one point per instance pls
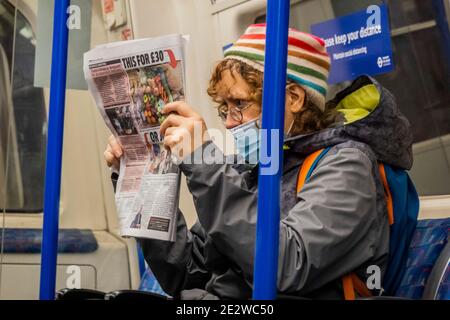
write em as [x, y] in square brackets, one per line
[308, 61]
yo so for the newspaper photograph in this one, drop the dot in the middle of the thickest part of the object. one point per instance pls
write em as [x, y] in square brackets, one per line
[131, 82]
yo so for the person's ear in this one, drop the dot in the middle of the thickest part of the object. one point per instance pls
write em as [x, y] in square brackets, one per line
[295, 97]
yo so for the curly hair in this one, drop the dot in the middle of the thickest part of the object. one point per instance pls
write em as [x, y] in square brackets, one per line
[309, 119]
[253, 77]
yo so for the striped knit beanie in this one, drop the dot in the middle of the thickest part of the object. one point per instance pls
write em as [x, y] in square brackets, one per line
[308, 61]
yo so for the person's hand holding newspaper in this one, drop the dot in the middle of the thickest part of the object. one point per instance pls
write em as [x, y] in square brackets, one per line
[184, 130]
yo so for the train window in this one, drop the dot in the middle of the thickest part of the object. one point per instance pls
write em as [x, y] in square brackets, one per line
[420, 81]
[23, 118]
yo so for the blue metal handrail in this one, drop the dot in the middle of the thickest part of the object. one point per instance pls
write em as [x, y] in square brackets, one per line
[274, 95]
[54, 151]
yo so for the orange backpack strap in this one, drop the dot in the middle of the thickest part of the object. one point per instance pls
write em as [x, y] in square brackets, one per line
[387, 194]
[308, 164]
[349, 289]
[351, 283]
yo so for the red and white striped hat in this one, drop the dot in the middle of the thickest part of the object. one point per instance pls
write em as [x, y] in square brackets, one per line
[308, 60]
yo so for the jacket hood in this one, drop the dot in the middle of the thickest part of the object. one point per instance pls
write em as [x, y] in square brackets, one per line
[370, 116]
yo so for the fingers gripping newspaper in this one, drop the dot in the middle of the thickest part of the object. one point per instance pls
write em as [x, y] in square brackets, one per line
[131, 82]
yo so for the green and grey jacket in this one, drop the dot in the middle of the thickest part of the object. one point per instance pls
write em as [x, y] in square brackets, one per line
[337, 224]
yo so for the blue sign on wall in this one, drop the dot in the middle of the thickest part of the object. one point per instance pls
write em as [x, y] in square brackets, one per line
[358, 44]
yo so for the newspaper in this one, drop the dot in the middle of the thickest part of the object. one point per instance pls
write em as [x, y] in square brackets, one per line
[131, 81]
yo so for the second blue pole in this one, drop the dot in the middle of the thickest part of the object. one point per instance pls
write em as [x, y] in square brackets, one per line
[54, 151]
[269, 183]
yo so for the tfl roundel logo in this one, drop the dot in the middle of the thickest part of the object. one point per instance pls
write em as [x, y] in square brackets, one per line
[380, 62]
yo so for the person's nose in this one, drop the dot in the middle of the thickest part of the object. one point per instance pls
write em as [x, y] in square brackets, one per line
[230, 123]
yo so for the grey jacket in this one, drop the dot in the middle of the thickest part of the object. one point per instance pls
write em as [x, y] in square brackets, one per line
[337, 224]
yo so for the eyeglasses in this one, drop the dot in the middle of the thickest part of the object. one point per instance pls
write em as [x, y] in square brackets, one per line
[234, 110]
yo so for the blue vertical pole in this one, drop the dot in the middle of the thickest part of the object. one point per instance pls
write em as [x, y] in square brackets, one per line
[141, 260]
[54, 151]
[274, 95]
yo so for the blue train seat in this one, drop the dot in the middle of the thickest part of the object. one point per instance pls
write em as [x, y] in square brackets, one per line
[30, 241]
[426, 248]
[150, 284]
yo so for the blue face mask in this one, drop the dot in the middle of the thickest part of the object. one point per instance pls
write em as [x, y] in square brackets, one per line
[247, 138]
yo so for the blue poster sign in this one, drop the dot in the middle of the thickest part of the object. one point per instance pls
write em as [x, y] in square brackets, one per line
[359, 43]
